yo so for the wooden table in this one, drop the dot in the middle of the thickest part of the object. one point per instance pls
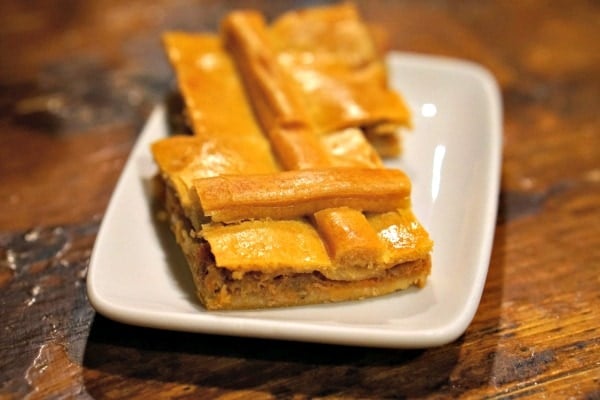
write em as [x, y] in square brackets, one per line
[79, 78]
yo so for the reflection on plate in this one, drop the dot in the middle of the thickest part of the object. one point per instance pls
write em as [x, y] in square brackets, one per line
[137, 274]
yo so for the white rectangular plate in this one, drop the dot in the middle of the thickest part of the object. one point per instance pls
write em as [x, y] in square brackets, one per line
[137, 274]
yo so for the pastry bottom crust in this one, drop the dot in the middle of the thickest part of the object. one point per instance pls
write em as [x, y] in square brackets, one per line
[217, 289]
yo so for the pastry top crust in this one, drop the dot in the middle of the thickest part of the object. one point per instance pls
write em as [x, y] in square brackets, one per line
[293, 194]
[216, 102]
[332, 59]
[296, 246]
[253, 121]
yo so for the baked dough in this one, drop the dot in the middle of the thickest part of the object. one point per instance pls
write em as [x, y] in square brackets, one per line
[273, 200]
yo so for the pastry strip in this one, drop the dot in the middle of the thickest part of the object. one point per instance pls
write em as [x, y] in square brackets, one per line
[209, 84]
[336, 227]
[278, 111]
[293, 194]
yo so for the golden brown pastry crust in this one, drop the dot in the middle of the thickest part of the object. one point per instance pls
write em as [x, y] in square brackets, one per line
[335, 65]
[272, 93]
[245, 251]
[299, 193]
[209, 84]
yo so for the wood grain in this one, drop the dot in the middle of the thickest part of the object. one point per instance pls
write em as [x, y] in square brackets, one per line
[77, 81]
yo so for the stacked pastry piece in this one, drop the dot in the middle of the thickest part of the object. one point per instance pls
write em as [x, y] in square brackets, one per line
[280, 196]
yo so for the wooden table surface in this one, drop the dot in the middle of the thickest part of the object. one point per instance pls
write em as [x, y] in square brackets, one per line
[79, 78]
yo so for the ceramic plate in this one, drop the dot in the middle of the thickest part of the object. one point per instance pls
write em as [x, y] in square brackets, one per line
[138, 276]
